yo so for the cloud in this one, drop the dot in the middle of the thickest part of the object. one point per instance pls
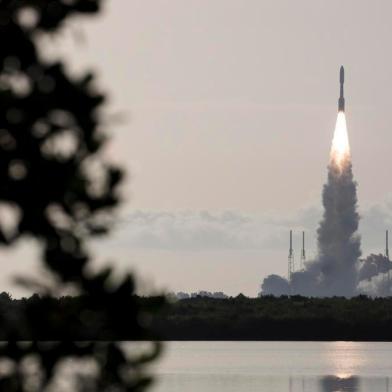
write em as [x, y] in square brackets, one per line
[202, 230]
[233, 230]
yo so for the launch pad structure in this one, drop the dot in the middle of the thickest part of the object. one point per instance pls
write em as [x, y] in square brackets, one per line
[387, 256]
[303, 254]
[291, 262]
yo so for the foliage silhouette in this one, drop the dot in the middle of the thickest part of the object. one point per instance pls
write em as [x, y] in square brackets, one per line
[277, 318]
[203, 318]
[59, 190]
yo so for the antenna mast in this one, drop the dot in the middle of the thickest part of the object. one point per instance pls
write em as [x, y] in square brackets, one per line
[303, 254]
[291, 258]
[389, 262]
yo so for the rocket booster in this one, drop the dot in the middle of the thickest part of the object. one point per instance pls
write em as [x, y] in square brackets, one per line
[341, 98]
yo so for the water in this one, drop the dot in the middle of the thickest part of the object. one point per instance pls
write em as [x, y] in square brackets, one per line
[274, 367]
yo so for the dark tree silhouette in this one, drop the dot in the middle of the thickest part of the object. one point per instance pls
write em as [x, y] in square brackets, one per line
[358, 318]
[60, 191]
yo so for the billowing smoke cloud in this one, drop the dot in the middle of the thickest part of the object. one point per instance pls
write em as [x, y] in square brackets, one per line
[337, 270]
[375, 276]
[377, 286]
[334, 271]
[372, 266]
[275, 285]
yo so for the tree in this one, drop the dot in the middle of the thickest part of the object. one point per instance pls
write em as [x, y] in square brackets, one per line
[60, 191]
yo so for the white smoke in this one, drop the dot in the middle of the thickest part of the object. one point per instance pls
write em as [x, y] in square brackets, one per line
[377, 286]
[338, 270]
[334, 271]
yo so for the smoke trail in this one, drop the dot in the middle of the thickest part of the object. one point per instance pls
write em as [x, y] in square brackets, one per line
[334, 272]
[338, 243]
[337, 270]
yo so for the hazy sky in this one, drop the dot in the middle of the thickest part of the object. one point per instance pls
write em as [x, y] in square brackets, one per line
[230, 107]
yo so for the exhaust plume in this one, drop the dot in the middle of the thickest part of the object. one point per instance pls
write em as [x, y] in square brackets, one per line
[337, 270]
[338, 241]
[334, 271]
[340, 150]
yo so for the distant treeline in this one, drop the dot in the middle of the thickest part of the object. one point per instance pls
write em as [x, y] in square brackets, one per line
[199, 318]
[77, 318]
[277, 318]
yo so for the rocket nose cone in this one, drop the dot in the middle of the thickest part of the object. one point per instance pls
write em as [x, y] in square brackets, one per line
[341, 74]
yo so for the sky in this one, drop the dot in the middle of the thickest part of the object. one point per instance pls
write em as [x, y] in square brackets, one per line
[227, 112]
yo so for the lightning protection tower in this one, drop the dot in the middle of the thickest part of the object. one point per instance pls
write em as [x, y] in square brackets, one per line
[291, 258]
[303, 254]
[387, 256]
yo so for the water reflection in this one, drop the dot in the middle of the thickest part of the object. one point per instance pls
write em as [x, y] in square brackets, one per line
[251, 383]
[275, 367]
[337, 384]
[328, 384]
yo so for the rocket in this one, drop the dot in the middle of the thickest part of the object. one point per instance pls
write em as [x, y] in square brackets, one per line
[341, 98]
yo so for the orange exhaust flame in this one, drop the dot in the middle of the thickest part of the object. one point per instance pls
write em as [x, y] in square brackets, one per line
[340, 150]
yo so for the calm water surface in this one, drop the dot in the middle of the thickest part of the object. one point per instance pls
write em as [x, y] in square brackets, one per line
[274, 367]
